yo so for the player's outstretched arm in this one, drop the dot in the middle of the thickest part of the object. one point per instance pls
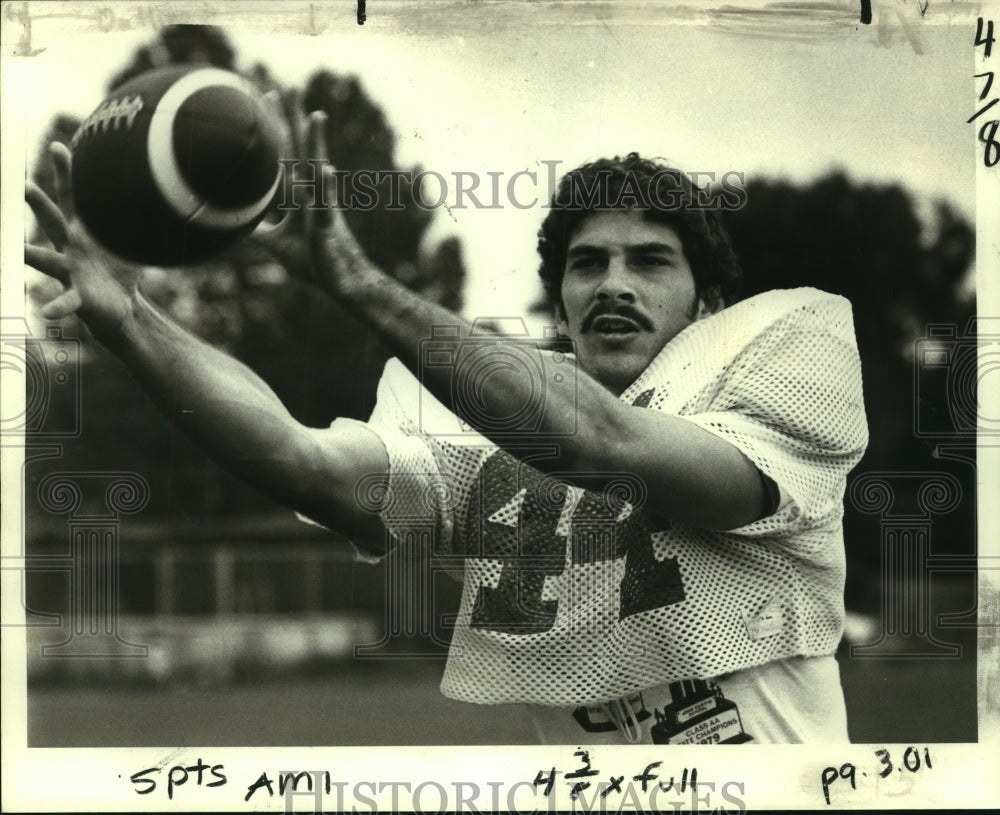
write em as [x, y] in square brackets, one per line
[230, 411]
[691, 475]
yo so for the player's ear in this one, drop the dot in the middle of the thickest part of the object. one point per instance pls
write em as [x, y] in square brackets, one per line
[559, 314]
[709, 303]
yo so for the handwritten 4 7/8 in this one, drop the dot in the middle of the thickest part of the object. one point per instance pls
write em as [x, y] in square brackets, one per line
[849, 772]
[988, 132]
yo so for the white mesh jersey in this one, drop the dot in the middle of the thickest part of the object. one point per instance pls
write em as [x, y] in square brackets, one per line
[573, 597]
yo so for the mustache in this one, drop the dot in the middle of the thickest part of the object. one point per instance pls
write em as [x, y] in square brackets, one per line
[624, 310]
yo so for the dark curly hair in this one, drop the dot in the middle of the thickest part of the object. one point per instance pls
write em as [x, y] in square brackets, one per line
[666, 196]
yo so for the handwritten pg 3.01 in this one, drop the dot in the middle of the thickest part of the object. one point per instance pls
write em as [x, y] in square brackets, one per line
[882, 765]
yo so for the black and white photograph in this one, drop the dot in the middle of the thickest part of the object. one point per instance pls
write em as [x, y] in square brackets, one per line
[500, 406]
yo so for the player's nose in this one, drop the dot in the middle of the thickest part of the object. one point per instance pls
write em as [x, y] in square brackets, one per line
[616, 284]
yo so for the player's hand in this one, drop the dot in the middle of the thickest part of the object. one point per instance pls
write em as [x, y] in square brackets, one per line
[97, 286]
[312, 243]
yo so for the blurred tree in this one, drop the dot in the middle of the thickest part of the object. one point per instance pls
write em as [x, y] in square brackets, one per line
[360, 139]
[179, 45]
[867, 243]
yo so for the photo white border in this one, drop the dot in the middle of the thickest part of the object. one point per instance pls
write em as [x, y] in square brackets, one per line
[964, 775]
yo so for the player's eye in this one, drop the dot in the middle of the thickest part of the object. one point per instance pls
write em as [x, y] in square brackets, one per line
[651, 260]
[587, 262]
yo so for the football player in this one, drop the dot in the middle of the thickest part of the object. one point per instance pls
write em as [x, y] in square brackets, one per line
[648, 529]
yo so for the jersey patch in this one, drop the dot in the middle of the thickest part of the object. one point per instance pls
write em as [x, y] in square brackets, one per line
[698, 714]
[765, 623]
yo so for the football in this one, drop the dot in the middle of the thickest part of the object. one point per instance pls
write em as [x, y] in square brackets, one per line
[175, 166]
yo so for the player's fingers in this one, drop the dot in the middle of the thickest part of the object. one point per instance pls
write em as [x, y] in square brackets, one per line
[293, 117]
[61, 162]
[62, 306]
[50, 217]
[316, 153]
[316, 138]
[324, 217]
[283, 217]
[275, 226]
[47, 261]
